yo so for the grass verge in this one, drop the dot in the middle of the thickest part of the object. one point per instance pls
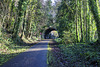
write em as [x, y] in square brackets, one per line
[52, 55]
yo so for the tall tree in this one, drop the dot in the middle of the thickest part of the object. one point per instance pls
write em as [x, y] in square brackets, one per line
[21, 9]
[94, 9]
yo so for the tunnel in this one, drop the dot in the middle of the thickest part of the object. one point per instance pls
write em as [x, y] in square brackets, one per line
[47, 31]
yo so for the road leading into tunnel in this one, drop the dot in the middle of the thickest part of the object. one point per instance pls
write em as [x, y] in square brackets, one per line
[36, 56]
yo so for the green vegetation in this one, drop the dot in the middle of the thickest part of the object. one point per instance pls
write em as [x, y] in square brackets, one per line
[77, 23]
[21, 22]
[48, 54]
[51, 60]
[79, 43]
[79, 18]
[17, 27]
[10, 48]
[77, 55]
[79, 28]
[81, 55]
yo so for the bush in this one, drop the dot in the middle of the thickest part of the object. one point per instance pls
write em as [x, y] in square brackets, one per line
[81, 55]
[68, 37]
[59, 40]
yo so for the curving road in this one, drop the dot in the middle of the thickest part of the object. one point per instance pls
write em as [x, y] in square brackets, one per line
[36, 56]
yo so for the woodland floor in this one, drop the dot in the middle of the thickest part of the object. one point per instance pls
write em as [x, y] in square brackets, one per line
[72, 56]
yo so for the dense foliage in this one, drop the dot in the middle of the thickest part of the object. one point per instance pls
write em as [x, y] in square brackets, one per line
[79, 17]
[24, 18]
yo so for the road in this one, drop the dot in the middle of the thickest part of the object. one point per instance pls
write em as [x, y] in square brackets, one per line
[36, 56]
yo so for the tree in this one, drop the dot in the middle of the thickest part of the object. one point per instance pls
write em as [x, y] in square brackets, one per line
[75, 16]
[94, 9]
[21, 10]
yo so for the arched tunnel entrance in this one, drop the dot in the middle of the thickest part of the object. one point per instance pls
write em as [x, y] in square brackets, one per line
[50, 33]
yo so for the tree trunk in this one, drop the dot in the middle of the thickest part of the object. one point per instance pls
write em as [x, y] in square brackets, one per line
[23, 25]
[81, 22]
[19, 20]
[86, 22]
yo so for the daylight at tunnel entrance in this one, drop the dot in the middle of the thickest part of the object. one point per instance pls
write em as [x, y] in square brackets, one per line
[50, 33]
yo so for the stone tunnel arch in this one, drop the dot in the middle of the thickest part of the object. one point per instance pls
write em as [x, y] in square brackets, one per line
[47, 31]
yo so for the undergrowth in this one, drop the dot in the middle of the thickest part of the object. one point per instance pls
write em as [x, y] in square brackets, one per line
[53, 56]
[9, 48]
[81, 55]
[50, 57]
[75, 55]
